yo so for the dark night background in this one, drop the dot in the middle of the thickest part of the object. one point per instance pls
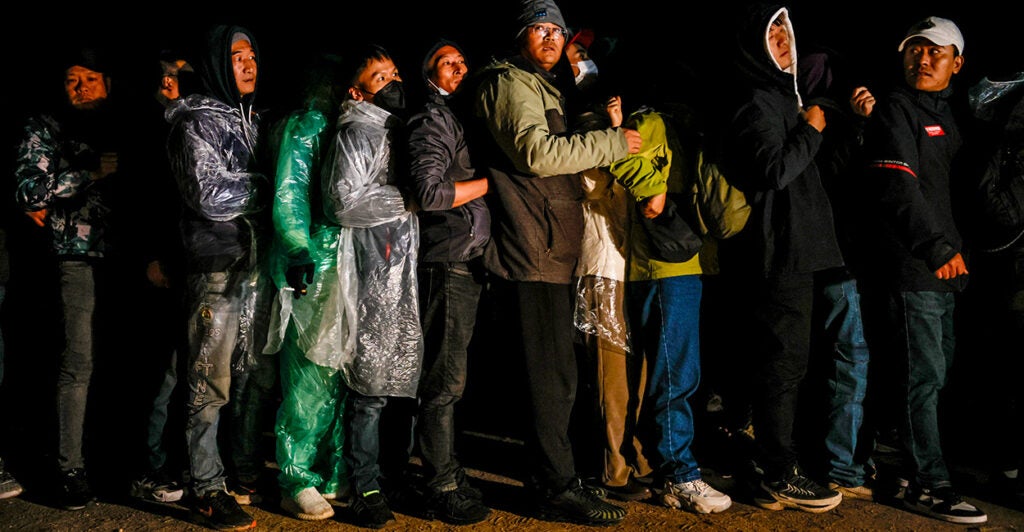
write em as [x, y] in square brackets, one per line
[658, 35]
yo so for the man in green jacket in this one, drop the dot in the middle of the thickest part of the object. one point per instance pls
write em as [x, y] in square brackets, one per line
[536, 239]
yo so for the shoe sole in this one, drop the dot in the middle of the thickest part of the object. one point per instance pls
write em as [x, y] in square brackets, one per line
[11, 493]
[200, 518]
[776, 505]
[307, 516]
[672, 501]
[947, 518]
[561, 517]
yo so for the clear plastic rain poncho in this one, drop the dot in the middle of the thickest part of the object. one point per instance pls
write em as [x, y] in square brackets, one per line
[601, 271]
[211, 153]
[377, 255]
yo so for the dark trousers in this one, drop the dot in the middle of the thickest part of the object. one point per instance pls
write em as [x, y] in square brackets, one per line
[546, 321]
[782, 332]
[449, 296]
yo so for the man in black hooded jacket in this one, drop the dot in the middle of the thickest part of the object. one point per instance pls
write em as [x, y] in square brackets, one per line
[212, 149]
[772, 143]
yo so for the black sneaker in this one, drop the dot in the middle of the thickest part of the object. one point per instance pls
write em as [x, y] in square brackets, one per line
[457, 507]
[371, 510]
[580, 505]
[219, 510]
[797, 491]
[944, 504]
[75, 493]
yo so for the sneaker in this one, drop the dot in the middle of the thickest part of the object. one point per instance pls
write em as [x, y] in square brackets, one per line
[630, 491]
[219, 510]
[157, 486]
[244, 492]
[308, 505]
[696, 495]
[944, 504]
[898, 491]
[371, 510]
[582, 506]
[9, 486]
[860, 493]
[799, 492]
[75, 492]
[457, 507]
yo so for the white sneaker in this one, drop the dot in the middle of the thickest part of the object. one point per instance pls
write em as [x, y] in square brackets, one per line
[697, 496]
[308, 505]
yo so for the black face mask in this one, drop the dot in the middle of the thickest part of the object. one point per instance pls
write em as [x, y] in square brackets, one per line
[390, 97]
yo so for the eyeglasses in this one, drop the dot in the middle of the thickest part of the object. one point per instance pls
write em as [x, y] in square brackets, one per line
[544, 32]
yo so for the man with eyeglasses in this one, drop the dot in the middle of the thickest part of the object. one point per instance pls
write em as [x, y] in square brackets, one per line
[536, 236]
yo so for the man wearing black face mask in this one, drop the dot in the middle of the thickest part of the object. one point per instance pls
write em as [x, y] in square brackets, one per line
[381, 358]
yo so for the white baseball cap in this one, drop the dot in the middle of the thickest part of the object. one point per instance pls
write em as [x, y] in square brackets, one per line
[938, 30]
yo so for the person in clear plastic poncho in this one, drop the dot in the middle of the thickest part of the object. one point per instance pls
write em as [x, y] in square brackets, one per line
[312, 324]
[376, 267]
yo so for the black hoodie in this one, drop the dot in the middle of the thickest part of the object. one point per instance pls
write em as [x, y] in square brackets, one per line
[770, 156]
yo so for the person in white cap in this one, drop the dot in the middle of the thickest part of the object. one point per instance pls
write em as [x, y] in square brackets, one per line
[910, 143]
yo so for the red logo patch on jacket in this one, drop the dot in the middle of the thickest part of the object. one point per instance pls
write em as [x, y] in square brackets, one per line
[934, 131]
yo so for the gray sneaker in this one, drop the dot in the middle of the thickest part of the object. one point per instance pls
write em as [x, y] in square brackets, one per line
[697, 496]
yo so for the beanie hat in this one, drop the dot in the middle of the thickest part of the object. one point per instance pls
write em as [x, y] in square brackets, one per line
[89, 57]
[537, 11]
[940, 31]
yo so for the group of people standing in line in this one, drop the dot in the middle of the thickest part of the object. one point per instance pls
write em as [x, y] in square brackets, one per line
[340, 254]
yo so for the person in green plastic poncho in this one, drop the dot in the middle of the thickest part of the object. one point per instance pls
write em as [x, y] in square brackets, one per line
[312, 328]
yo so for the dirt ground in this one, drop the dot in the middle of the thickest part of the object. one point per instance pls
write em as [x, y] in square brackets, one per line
[34, 512]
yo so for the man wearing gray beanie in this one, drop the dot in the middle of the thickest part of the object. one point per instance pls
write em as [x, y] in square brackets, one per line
[536, 237]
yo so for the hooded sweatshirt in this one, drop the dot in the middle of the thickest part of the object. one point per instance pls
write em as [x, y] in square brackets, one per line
[771, 151]
[212, 149]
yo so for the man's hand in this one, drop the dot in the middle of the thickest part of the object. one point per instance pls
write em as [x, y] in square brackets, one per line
[654, 205]
[614, 109]
[633, 139]
[155, 274]
[953, 268]
[815, 116]
[862, 102]
[298, 277]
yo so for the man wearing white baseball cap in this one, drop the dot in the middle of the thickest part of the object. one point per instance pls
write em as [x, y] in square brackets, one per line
[910, 143]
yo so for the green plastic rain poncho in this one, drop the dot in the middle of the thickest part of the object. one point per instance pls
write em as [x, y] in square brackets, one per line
[313, 331]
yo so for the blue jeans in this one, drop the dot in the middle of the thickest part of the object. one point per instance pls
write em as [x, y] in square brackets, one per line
[78, 295]
[449, 296]
[362, 443]
[925, 325]
[215, 305]
[847, 382]
[665, 319]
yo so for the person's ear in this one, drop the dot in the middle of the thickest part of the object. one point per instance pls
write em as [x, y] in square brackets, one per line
[355, 94]
[958, 63]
